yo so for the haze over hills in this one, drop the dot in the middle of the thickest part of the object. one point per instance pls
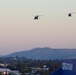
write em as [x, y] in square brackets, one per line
[46, 53]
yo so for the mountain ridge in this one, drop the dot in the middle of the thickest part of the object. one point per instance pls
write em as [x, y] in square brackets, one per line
[45, 53]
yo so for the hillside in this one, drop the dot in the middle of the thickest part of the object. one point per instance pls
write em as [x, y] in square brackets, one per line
[46, 53]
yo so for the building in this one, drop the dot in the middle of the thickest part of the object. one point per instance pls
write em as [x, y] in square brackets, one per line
[4, 71]
[68, 68]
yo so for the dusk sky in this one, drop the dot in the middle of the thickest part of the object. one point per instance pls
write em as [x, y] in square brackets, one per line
[19, 31]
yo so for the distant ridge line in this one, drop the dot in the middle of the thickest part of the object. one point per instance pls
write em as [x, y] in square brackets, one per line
[45, 53]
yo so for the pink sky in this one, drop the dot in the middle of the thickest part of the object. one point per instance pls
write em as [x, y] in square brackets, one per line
[18, 30]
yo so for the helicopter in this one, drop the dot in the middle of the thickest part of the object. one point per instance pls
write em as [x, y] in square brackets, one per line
[70, 14]
[37, 17]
